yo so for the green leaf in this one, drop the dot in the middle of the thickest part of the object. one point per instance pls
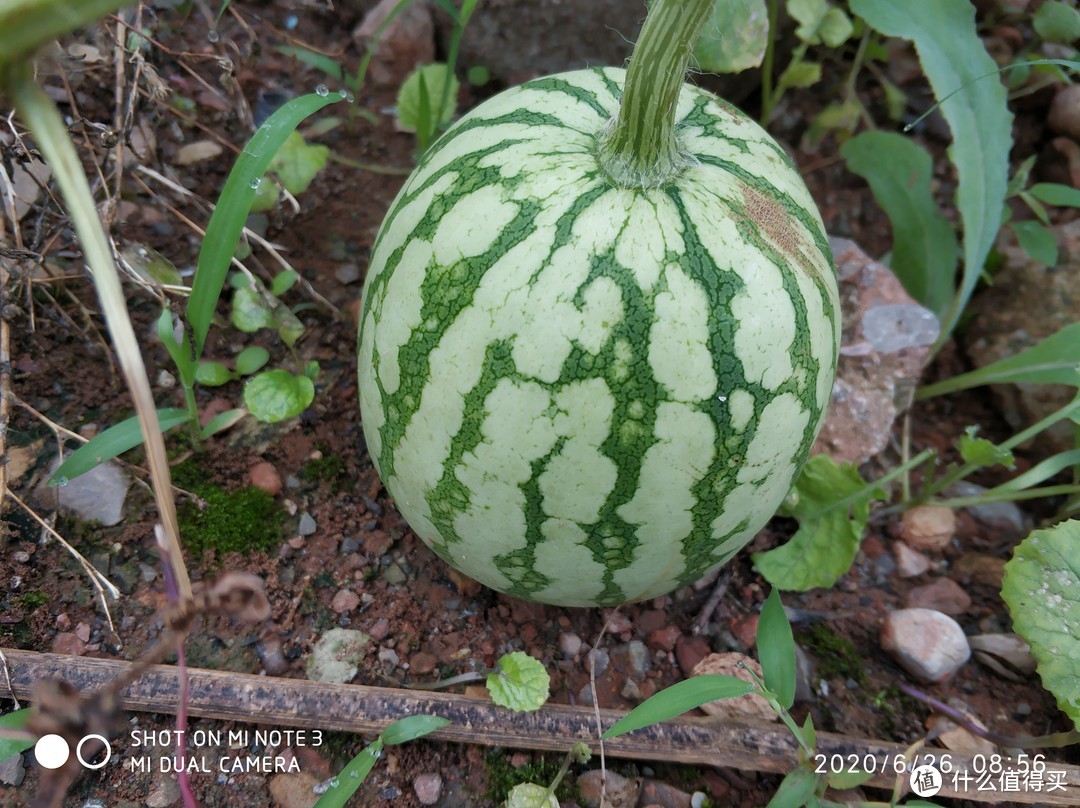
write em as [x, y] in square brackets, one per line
[776, 650]
[179, 350]
[809, 14]
[925, 250]
[227, 222]
[114, 441]
[412, 727]
[1054, 193]
[530, 795]
[355, 772]
[1040, 472]
[795, 789]
[251, 359]
[982, 452]
[800, 74]
[895, 99]
[844, 779]
[26, 25]
[283, 282]
[297, 162]
[1055, 360]
[832, 505]
[266, 198]
[434, 78]
[151, 266]
[309, 57]
[312, 369]
[15, 721]
[478, 75]
[250, 311]
[1036, 207]
[520, 683]
[1037, 241]
[1057, 22]
[222, 421]
[275, 395]
[734, 38]
[952, 55]
[835, 28]
[287, 324]
[1042, 591]
[679, 698]
[842, 116]
[213, 374]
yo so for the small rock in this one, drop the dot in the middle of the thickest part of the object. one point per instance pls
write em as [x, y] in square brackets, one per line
[96, 496]
[214, 407]
[393, 574]
[663, 639]
[12, 770]
[82, 631]
[307, 524]
[272, 656]
[1006, 655]
[929, 645]
[909, 563]
[422, 662]
[1064, 117]
[750, 706]
[344, 601]
[928, 527]
[980, 569]
[1003, 518]
[660, 794]
[569, 644]
[804, 676]
[197, 152]
[347, 273]
[943, 595]
[744, 630]
[390, 657]
[887, 336]
[336, 655]
[294, 790]
[631, 658]
[67, 643]
[164, 792]
[380, 629]
[689, 651]
[617, 622]
[620, 792]
[265, 477]
[428, 788]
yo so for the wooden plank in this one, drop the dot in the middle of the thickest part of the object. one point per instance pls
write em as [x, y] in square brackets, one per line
[762, 747]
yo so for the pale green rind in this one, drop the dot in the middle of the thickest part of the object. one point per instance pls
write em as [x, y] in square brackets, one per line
[583, 394]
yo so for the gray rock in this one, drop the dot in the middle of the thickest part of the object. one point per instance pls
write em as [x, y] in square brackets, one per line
[886, 339]
[929, 645]
[569, 644]
[336, 655]
[307, 524]
[428, 788]
[631, 658]
[1007, 655]
[393, 574]
[909, 563]
[621, 792]
[653, 792]
[97, 496]
[1028, 302]
[1005, 518]
[12, 770]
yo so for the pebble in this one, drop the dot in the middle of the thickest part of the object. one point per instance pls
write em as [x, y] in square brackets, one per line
[621, 792]
[569, 644]
[393, 574]
[389, 656]
[617, 622]
[96, 496]
[1002, 517]
[909, 563]
[943, 595]
[428, 788]
[750, 706]
[631, 658]
[1007, 655]
[307, 524]
[928, 527]
[980, 569]
[689, 651]
[663, 639]
[265, 477]
[422, 662]
[930, 645]
[653, 792]
[336, 655]
[294, 790]
[272, 656]
[12, 770]
[344, 601]
[164, 792]
[347, 273]
[68, 643]
[380, 629]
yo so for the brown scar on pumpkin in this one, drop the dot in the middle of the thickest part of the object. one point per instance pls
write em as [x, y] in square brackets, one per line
[775, 222]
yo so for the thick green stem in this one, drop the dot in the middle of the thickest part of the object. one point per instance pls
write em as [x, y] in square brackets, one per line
[638, 148]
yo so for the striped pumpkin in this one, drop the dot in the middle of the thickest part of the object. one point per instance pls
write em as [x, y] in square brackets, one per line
[583, 394]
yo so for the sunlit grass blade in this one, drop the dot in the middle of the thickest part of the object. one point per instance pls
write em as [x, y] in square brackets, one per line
[412, 727]
[113, 441]
[1055, 360]
[679, 698]
[776, 650]
[351, 777]
[319, 61]
[227, 222]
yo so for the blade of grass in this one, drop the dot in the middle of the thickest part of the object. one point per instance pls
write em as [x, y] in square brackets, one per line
[776, 650]
[679, 698]
[227, 222]
[114, 441]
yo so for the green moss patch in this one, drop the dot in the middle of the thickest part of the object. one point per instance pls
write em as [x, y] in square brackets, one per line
[241, 521]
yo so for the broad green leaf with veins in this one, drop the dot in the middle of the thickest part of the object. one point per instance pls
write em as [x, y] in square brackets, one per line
[520, 683]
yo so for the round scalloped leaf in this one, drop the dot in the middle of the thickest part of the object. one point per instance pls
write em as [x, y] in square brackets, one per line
[520, 683]
[275, 395]
[530, 795]
[1042, 591]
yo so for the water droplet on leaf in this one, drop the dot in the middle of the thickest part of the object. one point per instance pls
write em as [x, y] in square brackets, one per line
[255, 182]
[212, 35]
[322, 90]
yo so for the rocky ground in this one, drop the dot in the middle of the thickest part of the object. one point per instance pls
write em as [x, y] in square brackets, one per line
[923, 593]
